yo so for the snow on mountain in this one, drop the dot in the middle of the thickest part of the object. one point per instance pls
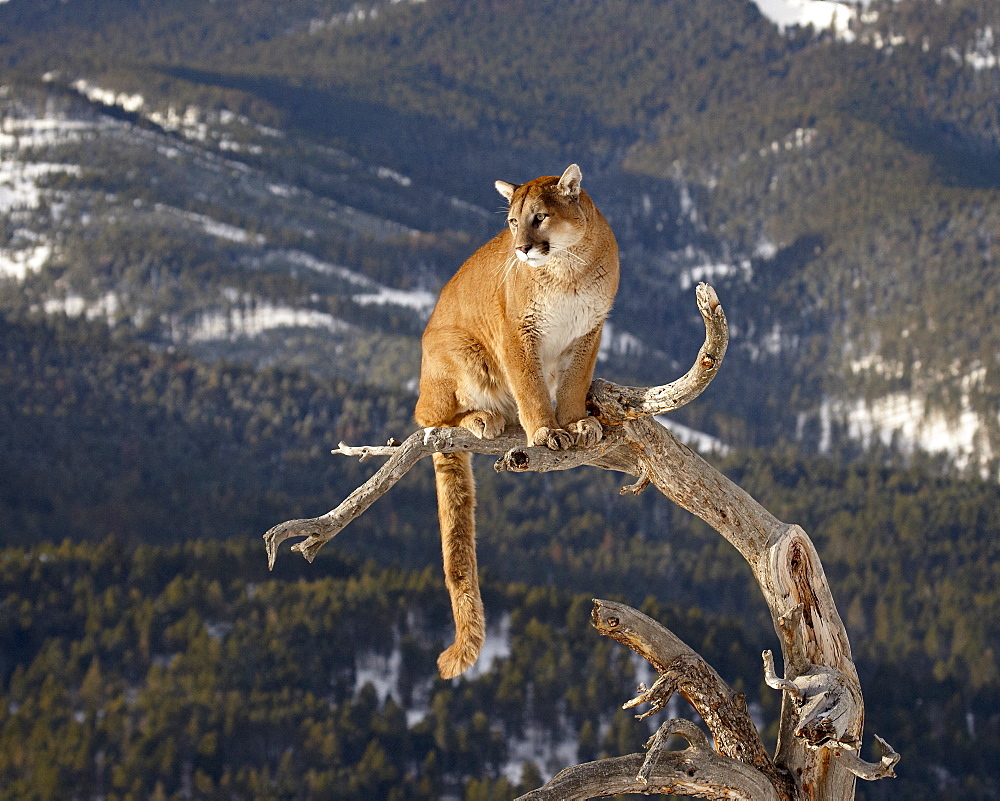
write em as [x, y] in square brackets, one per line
[698, 440]
[711, 271]
[618, 343]
[843, 18]
[419, 300]
[21, 186]
[908, 422]
[20, 178]
[17, 264]
[214, 227]
[33, 140]
[821, 14]
[983, 53]
[129, 102]
[105, 307]
[905, 421]
[253, 320]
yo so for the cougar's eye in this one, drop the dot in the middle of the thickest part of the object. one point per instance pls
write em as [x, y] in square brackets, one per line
[540, 217]
[512, 222]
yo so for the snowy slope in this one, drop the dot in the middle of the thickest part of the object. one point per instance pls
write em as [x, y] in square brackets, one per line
[821, 14]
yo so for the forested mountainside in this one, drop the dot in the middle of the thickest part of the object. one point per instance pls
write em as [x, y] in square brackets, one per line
[274, 182]
[189, 672]
[111, 444]
[222, 226]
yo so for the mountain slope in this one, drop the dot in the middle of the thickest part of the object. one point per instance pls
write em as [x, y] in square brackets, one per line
[838, 187]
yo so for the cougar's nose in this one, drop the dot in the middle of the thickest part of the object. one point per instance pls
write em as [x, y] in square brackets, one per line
[523, 248]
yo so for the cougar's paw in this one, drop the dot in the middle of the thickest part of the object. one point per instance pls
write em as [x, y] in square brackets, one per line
[484, 425]
[555, 439]
[455, 659]
[588, 431]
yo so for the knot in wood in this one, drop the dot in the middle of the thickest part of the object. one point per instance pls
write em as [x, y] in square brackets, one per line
[519, 460]
[516, 461]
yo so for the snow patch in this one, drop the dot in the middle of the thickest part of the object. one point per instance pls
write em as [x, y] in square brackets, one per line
[106, 306]
[379, 670]
[909, 423]
[19, 181]
[391, 175]
[873, 363]
[618, 343]
[253, 321]
[699, 440]
[496, 647]
[823, 15]
[420, 300]
[983, 54]
[21, 134]
[109, 97]
[300, 258]
[710, 272]
[17, 264]
[215, 228]
[417, 299]
[799, 139]
[542, 746]
[354, 15]
[907, 418]
[382, 671]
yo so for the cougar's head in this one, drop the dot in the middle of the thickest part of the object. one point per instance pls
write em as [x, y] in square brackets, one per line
[544, 217]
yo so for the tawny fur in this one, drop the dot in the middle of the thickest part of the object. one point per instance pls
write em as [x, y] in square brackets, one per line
[513, 340]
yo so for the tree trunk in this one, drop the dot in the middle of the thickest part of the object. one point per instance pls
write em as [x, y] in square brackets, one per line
[822, 713]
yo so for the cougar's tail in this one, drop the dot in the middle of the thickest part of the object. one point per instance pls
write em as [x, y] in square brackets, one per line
[456, 494]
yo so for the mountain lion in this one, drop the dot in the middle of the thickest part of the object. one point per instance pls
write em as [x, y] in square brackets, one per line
[513, 339]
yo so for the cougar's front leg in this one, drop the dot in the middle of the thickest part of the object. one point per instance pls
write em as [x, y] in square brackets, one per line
[534, 404]
[574, 383]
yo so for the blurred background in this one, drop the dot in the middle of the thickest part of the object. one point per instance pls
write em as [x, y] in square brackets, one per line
[223, 225]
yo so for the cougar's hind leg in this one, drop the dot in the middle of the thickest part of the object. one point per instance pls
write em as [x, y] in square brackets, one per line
[456, 512]
[484, 424]
[437, 404]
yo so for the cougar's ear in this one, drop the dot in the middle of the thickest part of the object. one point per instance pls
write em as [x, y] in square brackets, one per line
[569, 184]
[505, 189]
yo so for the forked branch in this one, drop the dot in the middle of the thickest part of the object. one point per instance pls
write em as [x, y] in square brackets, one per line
[611, 403]
[822, 707]
[681, 669]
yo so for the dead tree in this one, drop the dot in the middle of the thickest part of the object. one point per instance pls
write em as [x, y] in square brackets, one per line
[822, 712]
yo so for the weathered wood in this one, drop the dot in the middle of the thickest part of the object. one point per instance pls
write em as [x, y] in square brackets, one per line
[614, 404]
[822, 712]
[788, 570]
[684, 671]
[696, 771]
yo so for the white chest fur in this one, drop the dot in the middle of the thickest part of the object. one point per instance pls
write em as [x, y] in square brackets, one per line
[562, 318]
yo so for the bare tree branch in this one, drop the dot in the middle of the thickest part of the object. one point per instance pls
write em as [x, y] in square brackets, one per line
[509, 446]
[870, 771]
[683, 670]
[822, 707]
[696, 771]
[625, 401]
[615, 404]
